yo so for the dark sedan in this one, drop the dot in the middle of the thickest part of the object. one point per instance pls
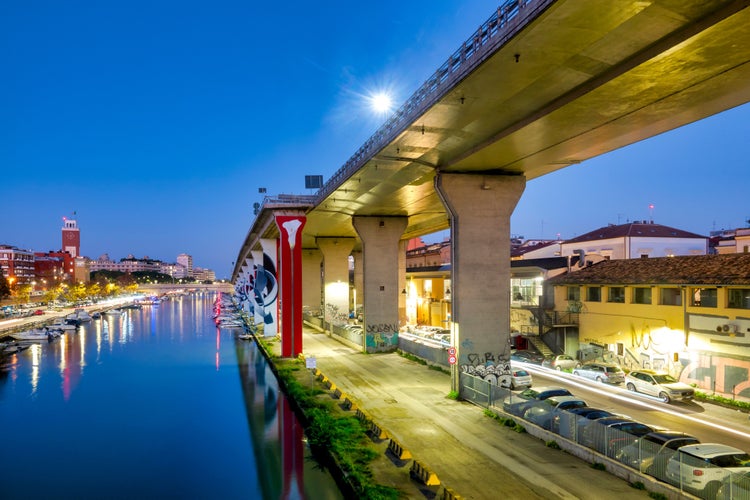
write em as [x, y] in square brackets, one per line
[527, 357]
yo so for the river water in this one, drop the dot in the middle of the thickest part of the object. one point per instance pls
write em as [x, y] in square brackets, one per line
[154, 403]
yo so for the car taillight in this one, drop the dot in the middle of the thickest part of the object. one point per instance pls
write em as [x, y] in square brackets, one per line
[697, 472]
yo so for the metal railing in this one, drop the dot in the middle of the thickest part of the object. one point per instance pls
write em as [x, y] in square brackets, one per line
[502, 25]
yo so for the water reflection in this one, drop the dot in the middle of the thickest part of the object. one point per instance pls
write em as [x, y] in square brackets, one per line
[149, 404]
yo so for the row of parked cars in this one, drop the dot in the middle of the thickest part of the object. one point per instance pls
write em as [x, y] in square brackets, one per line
[660, 385]
[709, 470]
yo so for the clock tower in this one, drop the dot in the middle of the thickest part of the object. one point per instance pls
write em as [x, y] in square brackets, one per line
[71, 237]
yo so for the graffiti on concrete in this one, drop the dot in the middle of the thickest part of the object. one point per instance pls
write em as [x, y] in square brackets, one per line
[381, 340]
[491, 368]
[334, 315]
[382, 328]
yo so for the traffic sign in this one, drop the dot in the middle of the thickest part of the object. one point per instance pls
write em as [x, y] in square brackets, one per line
[451, 351]
[452, 359]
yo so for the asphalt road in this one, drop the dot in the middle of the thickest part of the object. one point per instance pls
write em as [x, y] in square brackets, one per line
[471, 454]
[708, 422]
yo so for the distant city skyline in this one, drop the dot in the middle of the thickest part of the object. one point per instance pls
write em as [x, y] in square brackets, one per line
[157, 123]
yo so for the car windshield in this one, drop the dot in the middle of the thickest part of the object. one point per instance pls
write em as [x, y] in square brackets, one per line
[665, 379]
[521, 373]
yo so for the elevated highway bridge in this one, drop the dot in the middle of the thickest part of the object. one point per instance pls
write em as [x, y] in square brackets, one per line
[541, 85]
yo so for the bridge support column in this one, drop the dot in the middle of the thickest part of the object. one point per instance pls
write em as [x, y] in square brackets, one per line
[267, 287]
[380, 249]
[359, 283]
[312, 297]
[335, 278]
[290, 283]
[479, 207]
[254, 298]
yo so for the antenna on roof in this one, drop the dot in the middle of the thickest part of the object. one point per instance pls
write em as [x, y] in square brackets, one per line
[651, 213]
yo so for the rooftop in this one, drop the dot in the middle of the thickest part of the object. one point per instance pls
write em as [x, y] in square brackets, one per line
[728, 269]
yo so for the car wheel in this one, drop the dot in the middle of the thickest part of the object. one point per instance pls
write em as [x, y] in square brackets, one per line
[576, 373]
[631, 387]
[664, 397]
[558, 368]
[599, 379]
[711, 490]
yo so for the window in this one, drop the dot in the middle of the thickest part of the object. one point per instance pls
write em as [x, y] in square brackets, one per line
[574, 293]
[739, 298]
[594, 294]
[670, 297]
[616, 294]
[642, 295]
[704, 297]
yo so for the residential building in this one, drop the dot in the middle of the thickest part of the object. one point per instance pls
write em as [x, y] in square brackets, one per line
[635, 240]
[731, 241]
[17, 265]
[186, 261]
[688, 315]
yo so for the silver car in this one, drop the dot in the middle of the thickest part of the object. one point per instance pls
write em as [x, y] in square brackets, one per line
[607, 373]
[661, 385]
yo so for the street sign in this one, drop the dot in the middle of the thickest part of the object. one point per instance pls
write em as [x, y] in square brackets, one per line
[310, 362]
[451, 351]
[452, 360]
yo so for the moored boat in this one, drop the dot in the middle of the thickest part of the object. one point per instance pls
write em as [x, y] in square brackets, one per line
[36, 335]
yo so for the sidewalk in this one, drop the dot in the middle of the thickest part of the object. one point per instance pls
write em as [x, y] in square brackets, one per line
[471, 454]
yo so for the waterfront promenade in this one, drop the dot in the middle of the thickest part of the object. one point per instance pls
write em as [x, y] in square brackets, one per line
[471, 454]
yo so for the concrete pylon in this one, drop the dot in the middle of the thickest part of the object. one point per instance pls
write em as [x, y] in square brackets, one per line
[312, 296]
[290, 282]
[380, 251]
[479, 207]
[335, 278]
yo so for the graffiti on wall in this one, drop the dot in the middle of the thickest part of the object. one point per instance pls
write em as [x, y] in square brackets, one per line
[335, 315]
[265, 290]
[491, 367]
[381, 340]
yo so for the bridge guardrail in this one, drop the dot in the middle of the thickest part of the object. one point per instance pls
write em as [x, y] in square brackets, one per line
[505, 22]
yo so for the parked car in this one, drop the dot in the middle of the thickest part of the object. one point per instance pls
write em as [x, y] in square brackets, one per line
[735, 486]
[651, 452]
[525, 356]
[543, 413]
[611, 434]
[702, 468]
[38, 312]
[517, 404]
[661, 385]
[561, 362]
[601, 372]
[519, 378]
[571, 422]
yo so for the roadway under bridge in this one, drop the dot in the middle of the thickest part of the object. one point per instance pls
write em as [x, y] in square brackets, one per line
[542, 85]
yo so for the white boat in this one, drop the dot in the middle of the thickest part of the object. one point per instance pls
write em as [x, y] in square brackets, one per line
[82, 315]
[62, 324]
[38, 335]
[113, 312]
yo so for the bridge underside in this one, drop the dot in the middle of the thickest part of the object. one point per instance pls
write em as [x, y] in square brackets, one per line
[582, 79]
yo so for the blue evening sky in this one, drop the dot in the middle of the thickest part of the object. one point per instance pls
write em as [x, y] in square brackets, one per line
[157, 121]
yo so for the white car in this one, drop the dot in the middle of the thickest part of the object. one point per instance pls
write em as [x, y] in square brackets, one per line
[701, 468]
[519, 378]
[661, 385]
